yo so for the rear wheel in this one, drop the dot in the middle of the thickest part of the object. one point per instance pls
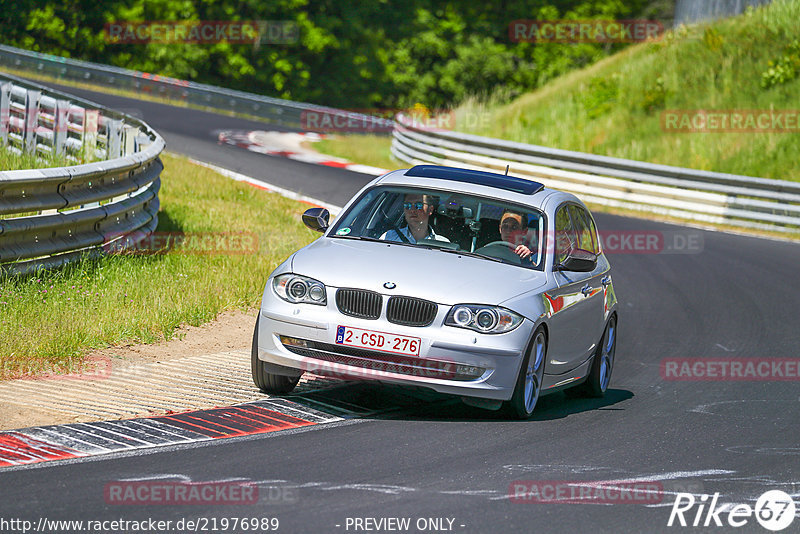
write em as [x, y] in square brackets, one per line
[529, 381]
[268, 382]
[603, 363]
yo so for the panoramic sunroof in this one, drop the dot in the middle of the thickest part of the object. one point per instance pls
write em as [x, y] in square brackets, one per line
[500, 181]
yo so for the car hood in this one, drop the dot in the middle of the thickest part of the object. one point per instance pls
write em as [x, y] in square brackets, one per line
[434, 275]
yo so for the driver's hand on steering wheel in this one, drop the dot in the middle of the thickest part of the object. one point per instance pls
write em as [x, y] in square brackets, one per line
[522, 251]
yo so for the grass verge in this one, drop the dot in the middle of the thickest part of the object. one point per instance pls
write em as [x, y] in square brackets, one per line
[365, 149]
[10, 161]
[50, 320]
[616, 106]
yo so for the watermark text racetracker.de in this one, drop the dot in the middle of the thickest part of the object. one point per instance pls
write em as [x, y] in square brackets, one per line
[584, 31]
[651, 242]
[731, 120]
[586, 492]
[147, 525]
[202, 243]
[774, 510]
[169, 492]
[183, 493]
[382, 120]
[627, 241]
[722, 369]
[201, 32]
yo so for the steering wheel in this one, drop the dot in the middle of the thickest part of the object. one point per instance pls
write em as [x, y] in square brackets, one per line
[502, 250]
[512, 246]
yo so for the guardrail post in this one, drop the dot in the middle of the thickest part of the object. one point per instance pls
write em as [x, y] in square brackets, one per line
[130, 133]
[5, 111]
[61, 126]
[31, 120]
[114, 143]
[90, 119]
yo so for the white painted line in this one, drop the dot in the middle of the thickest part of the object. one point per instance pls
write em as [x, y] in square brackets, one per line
[289, 145]
[366, 169]
[334, 210]
[66, 439]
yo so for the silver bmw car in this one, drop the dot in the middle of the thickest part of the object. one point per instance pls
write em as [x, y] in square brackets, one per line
[486, 286]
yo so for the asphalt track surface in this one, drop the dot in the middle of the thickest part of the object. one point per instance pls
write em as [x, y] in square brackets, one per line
[440, 459]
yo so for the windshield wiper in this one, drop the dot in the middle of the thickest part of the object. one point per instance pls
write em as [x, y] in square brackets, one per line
[363, 238]
[467, 253]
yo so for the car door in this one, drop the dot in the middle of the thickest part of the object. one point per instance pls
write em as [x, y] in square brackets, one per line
[587, 240]
[576, 306]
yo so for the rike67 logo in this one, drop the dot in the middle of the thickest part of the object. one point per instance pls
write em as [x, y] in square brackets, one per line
[774, 510]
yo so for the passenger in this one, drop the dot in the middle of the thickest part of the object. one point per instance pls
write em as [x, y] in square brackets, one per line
[514, 230]
[417, 210]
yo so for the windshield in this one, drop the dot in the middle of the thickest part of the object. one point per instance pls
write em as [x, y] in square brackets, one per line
[484, 227]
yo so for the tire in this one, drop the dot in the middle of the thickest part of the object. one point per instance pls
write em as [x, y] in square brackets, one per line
[268, 382]
[597, 382]
[529, 381]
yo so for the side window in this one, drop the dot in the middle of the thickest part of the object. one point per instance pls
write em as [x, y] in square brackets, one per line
[384, 215]
[593, 233]
[564, 234]
[584, 228]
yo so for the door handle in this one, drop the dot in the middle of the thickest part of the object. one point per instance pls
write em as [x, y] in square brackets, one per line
[586, 290]
[606, 281]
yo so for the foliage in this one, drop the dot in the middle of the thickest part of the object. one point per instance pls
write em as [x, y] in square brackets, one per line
[617, 106]
[784, 69]
[386, 53]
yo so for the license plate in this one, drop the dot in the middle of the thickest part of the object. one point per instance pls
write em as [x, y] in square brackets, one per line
[382, 341]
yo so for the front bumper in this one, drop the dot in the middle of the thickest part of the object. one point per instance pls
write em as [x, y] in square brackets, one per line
[447, 360]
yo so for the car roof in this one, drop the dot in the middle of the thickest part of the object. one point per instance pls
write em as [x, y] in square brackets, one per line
[467, 181]
[491, 179]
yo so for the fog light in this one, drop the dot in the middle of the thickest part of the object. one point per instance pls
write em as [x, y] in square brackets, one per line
[294, 342]
[469, 370]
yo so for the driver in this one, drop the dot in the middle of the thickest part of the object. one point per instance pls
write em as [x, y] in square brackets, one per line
[514, 230]
[417, 210]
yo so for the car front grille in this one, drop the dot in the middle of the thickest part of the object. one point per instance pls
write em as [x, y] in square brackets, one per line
[380, 361]
[359, 303]
[409, 311]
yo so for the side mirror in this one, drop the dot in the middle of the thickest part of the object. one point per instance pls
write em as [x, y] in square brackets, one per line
[317, 219]
[578, 261]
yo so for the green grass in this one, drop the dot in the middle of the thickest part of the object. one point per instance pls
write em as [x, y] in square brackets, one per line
[614, 106]
[49, 321]
[364, 149]
[10, 161]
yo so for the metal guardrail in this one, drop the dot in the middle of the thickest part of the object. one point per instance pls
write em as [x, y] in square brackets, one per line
[678, 192]
[273, 110]
[83, 208]
[674, 191]
[694, 11]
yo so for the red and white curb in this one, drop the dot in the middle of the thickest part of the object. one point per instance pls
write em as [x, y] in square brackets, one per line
[77, 440]
[289, 145]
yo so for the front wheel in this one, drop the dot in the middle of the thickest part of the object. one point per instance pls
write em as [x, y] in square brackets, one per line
[267, 382]
[529, 381]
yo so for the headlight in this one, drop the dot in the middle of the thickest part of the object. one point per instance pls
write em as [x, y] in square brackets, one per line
[295, 288]
[483, 319]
